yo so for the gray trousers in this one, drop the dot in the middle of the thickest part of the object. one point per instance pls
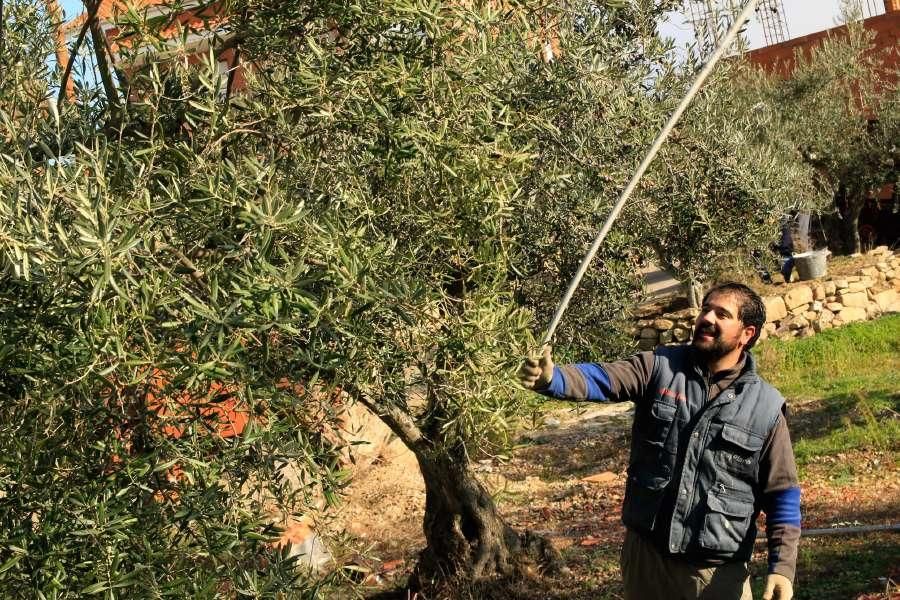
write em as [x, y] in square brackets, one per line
[648, 575]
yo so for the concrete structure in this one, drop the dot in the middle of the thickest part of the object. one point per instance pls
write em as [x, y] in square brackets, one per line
[710, 19]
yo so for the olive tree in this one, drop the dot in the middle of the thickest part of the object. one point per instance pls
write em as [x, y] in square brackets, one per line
[457, 162]
[727, 178]
[393, 204]
[839, 105]
[118, 473]
[174, 258]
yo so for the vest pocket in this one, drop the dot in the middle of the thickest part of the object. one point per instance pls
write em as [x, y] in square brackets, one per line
[737, 450]
[662, 415]
[726, 522]
[643, 496]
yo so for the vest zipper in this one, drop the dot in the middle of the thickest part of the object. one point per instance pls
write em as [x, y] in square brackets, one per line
[690, 499]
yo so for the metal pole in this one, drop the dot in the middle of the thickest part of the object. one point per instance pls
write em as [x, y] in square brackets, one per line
[651, 154]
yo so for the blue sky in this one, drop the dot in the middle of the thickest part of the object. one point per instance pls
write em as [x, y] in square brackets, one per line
[71, 7]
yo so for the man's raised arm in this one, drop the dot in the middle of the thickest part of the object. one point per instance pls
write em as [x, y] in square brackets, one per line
[598, 382]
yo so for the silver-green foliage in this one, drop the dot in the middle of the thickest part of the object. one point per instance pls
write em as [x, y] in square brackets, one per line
[391, 207]
[840, 105]
[727, 179]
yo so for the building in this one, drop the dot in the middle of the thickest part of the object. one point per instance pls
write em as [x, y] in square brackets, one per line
[779, 58]
[200, 24]
[196, 23]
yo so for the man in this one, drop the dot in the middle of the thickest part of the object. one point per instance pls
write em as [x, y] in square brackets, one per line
[710, 448]
[786, 248]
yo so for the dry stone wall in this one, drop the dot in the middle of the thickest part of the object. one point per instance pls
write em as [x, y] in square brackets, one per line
[804, 309]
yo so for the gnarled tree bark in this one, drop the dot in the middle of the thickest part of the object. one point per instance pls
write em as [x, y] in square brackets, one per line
[465, 535]
[467, 540]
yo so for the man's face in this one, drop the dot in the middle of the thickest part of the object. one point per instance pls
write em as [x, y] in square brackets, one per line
[718, 329]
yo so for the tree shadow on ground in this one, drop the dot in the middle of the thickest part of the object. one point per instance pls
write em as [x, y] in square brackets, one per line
[599, 444]
[819, 418]
[521, 588]
[834, 568]
[842, 568]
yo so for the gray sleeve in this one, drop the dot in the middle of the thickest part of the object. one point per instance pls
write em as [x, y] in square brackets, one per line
[629, 378]
[778, 468]
[780, 488]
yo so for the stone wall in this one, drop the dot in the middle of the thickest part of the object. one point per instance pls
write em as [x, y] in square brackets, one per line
[804, 308]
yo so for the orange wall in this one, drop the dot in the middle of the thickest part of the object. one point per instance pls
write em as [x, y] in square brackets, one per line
[779, 58]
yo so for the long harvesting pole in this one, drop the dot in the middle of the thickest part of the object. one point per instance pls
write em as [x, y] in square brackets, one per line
[729, 38]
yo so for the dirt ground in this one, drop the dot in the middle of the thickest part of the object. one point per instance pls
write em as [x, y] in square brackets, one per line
[384, 507]
[566, 482]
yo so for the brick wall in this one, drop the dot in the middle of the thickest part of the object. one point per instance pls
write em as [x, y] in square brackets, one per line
[779, 58]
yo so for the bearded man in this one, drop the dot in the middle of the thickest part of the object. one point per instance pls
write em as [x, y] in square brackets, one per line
[710, 449]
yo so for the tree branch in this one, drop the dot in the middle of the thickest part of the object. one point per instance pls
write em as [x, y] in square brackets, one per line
[2, 31]
[229, 88]
[99, 43]
[235, 63]
[399, 421]
[64, 82]
[195, 273]
[59, 42]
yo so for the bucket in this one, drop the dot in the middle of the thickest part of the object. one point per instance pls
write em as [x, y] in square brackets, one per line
[811, 265]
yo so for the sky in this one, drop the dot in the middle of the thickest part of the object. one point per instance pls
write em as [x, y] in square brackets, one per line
[71, 7]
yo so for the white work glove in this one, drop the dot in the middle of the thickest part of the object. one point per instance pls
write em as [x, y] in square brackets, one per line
[537, 373]
[778, 587]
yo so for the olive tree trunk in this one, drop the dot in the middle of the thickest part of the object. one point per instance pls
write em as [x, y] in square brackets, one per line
[855, 204]
[694, 293]
[466, 538]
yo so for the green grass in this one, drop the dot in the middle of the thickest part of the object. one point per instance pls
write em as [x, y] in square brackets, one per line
[843, 388]
[837, 361]
[841, 568]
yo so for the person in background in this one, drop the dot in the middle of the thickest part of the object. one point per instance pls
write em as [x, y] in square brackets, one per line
[786, 250]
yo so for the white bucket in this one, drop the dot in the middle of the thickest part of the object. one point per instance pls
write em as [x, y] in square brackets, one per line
[811, 265]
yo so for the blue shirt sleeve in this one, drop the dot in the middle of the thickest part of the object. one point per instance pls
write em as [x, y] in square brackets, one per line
[557, 387]
[582, 381]
[783, 507]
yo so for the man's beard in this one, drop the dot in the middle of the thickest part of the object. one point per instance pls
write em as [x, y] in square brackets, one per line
[717, 347]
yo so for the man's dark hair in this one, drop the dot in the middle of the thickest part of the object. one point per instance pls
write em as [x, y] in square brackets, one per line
[751, 310]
